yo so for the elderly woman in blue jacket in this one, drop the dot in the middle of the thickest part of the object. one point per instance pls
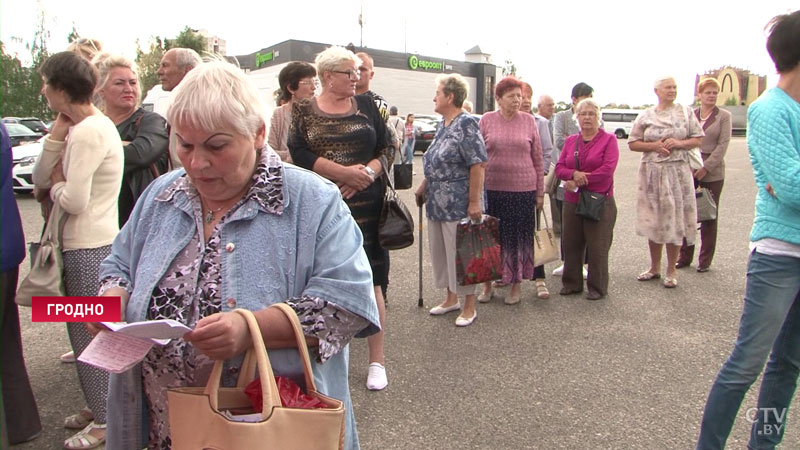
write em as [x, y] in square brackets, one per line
[770, 323]
[236, 229]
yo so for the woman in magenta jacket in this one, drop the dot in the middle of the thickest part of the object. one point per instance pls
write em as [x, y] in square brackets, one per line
[597, 152]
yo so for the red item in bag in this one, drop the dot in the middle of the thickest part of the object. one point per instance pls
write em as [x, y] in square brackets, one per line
[291, 395]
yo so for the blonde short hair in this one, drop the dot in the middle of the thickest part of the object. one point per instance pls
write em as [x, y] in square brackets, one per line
[107, 62]
[706, 82]
[455, 84]
[217, 95]
[86, 47]
[332, 57]
[589, 103]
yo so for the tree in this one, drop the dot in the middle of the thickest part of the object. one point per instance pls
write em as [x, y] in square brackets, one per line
[148, 63]
[188, 38]
[22, 85]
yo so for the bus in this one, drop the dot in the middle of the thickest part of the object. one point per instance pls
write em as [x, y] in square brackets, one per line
[619, 121]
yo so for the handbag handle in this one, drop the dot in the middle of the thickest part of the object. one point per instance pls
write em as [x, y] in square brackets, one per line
[57, 219]
[258, 355]
[540, 213]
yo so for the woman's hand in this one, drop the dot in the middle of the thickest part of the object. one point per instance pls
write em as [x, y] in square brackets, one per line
[220, 336]
[580, 178]
[356, 177]
[700, 173]
[570, 186]
[474, 211]
[57, 175]
[539, 203]
[61, 127]
[419, 195]
[95, 328]
[660, 147]
[347, 191]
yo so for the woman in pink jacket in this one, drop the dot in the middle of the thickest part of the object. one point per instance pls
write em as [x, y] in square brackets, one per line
[596, 152]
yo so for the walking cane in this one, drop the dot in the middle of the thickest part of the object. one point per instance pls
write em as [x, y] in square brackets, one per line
[419, 244]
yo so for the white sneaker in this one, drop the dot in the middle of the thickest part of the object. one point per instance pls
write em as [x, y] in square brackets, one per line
[558, 270]
[376, 379]
[585, 271]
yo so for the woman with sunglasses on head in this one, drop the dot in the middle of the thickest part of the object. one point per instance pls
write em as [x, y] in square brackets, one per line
[342, 136]
[297, 80]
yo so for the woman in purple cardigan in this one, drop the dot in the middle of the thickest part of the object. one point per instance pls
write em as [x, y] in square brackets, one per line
[597, 153]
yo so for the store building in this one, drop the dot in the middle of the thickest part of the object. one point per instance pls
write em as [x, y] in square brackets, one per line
[405, 80]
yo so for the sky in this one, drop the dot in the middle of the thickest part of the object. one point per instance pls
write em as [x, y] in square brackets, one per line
[619, 47]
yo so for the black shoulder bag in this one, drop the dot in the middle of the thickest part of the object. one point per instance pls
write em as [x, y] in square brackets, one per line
[590, 204]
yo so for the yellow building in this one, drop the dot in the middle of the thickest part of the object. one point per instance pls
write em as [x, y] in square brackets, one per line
[738, 86]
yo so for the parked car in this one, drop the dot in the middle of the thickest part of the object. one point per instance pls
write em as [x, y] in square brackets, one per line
[424, 134]
[33, 123]
[24, 159]
[21, 134]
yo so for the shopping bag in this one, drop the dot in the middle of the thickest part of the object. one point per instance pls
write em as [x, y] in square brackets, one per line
[209, 417]
[478, 251]
[706, 206]
[544, 244]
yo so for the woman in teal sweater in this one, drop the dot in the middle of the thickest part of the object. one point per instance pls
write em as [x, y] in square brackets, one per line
[770, 323]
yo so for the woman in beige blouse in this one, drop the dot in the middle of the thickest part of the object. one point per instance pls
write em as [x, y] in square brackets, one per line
[298, 80]
[716, 124]
[666, 210]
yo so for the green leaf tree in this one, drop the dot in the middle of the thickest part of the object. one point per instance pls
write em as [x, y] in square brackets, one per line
[148, 63]
[188, 38]
[20, 93]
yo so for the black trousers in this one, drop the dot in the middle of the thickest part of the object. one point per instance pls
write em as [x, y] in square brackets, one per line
[20, 416]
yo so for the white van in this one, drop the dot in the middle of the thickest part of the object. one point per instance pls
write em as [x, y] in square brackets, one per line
[619, 121]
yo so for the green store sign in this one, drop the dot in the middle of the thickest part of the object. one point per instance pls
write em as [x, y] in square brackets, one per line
[415, 63]
[263, 59]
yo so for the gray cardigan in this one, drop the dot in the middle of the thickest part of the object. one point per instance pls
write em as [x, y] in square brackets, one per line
[715, 143]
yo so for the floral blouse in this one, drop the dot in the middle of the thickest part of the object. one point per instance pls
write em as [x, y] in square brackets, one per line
[455, 148]
[190, 291]
[678, 122]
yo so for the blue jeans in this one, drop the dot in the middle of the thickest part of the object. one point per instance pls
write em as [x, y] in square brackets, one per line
[408, 150]
[770, 326]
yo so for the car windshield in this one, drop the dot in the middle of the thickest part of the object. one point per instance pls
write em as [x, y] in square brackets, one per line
[17, 129]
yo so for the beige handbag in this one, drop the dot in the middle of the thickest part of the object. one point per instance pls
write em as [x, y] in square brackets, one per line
[46, 277]
[198, 419]
[545, 249]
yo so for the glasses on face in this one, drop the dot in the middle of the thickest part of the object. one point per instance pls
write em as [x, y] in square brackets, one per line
[314, 82]
[352, 74]
[588, 114]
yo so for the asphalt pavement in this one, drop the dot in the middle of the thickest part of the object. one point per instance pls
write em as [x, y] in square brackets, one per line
[631, 371]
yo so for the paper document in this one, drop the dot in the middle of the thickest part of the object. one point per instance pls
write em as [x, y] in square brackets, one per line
[124, 345]
[115, 352]
[159, 331]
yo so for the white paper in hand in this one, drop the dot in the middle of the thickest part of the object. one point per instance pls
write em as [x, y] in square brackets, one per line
[159, 331]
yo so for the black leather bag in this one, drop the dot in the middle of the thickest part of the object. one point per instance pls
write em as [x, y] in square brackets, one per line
[590, 204]
[396, 225]
[403, 176]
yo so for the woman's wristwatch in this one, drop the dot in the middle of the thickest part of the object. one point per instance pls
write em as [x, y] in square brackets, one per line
[370, 172]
